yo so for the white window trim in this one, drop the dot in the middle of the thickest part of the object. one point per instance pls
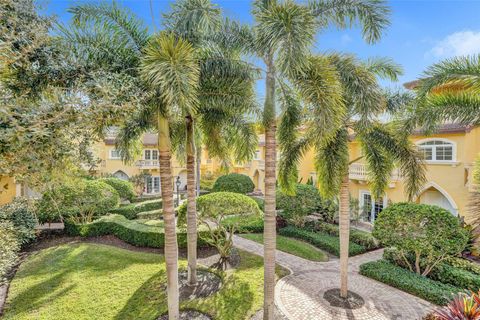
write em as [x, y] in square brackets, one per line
[454, 150]
[111, 156]
[257, 155]
[361, 193]
[159, 186]
[143, 154]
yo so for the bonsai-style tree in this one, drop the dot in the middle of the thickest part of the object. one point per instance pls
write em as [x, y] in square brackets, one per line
[212, 210]
[428, 233]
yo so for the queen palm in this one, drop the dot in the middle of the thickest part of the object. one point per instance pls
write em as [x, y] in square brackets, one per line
[382, 145]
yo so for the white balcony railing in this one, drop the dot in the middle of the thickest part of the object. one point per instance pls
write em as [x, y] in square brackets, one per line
[147, 163]
[358, 171]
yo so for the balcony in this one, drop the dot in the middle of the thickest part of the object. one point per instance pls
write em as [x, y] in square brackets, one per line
[147, 164]
[359, 172]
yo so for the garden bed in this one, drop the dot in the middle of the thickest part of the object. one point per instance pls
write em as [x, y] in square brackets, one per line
[131, 231]
[320, 240]
[92, 281]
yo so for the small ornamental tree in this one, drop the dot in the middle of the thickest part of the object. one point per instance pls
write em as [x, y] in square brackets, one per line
[212, 209]
[138, 182]
[124, 188]
[234, 182]
[428, 233]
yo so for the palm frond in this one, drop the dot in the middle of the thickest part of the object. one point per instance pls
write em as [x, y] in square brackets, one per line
[371, 15]
[384, 68]
[114, 17]
[461, 107]
[398, 101]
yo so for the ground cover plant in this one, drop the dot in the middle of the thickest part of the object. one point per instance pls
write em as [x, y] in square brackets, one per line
[92, 281]
[293, 246]
[323, 241]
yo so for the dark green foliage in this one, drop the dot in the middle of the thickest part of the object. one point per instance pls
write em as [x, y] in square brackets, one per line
[130, 231]
[21, 214]
[464, 264]
[124, 188]
[10, 245]
[443, 272]
[83, 201]
[251, 224]
[430, 231]
[131, 211]
[410, 282]
[260, 202]
[362, 238]
[234, 182]
[321, 240]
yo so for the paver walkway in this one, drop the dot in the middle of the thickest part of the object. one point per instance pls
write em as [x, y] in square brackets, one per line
[299, 296]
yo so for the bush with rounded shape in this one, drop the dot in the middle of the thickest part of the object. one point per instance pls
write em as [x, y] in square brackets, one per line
[305, 201]
[9, 246]
[21, 212]
[82, 201]
[429, 233]
[234, 182]
[124, 188]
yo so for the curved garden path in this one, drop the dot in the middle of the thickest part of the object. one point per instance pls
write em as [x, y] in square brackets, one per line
[299, 296]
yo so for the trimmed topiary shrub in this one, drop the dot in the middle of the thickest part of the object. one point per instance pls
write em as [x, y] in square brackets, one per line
[234, 182]
[397, 277]
[83, 201]
[321, 240]
[131, 211]
[9, 247]
[21, 213]
[429, 233]
[130, 231]
[305, 201]
[124, 188]
[250, 224]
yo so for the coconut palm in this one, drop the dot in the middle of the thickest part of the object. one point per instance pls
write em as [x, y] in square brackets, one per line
[382, 145]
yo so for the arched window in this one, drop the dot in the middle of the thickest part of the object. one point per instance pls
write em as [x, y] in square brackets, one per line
[440, 150]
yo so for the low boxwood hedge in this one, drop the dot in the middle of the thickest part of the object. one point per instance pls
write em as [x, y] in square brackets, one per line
[321, 240]
[130, 231]
[130, 211]
[154, 214]
[362, 238]
[145, 198]
[395, 276]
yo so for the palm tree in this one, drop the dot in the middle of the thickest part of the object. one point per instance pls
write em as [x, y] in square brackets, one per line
[383, 146]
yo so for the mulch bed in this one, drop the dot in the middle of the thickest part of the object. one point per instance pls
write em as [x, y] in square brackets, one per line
[188, 315]
[208, 284]
[352, 301]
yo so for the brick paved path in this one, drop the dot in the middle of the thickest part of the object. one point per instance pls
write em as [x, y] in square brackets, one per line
[299, 296]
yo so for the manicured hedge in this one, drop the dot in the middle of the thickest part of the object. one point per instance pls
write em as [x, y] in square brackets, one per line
[154, 214]
[249, 224]
[124, 188]
[145, 198]
[321, 240]
[459, 276]
[395, 276]
[234, 182]
[131, 211]
[130, 231]
[362, 238]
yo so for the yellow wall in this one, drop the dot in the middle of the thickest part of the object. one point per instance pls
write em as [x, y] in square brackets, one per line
[7, 190]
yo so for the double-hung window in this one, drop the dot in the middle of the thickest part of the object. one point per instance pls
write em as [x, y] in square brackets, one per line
[150, 154]
[114, 154]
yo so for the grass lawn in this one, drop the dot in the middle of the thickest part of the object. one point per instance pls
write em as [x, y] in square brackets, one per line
[93, 281]
[293, 246]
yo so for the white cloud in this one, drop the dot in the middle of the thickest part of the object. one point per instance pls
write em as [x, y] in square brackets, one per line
[457, 44]
[345, 39]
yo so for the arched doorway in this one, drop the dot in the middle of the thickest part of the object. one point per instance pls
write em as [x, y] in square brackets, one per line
[256, 179]
[433, 194]
[121, 175]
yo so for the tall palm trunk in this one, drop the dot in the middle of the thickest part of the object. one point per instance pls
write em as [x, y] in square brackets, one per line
[171, 247]
[199, 163]
[270, 178]
[191, 204]
[344, 221]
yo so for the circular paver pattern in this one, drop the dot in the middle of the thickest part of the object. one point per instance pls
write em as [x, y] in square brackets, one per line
[301, 297]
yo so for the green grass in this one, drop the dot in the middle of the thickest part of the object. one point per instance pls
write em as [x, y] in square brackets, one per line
[293, 246]
[92, 281]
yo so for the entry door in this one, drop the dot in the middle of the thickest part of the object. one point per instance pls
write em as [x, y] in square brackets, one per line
[369, 207]
[152, 185]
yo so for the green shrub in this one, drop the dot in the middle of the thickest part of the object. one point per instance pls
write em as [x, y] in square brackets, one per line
[250, 224]
[443, 271]
[9, 247]
[395, 276]
[430, 231]
[296, 207]
[143, 199]
[132, 210]
[234, 182]
[362, 238]
[154, 214]
[124, 188]
[321, 240]
[21, 212]
[82, 201]
[463, 264]
[260, 202]
[130, 231]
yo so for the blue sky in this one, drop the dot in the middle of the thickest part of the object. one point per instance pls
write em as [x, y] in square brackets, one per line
[421, 32]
